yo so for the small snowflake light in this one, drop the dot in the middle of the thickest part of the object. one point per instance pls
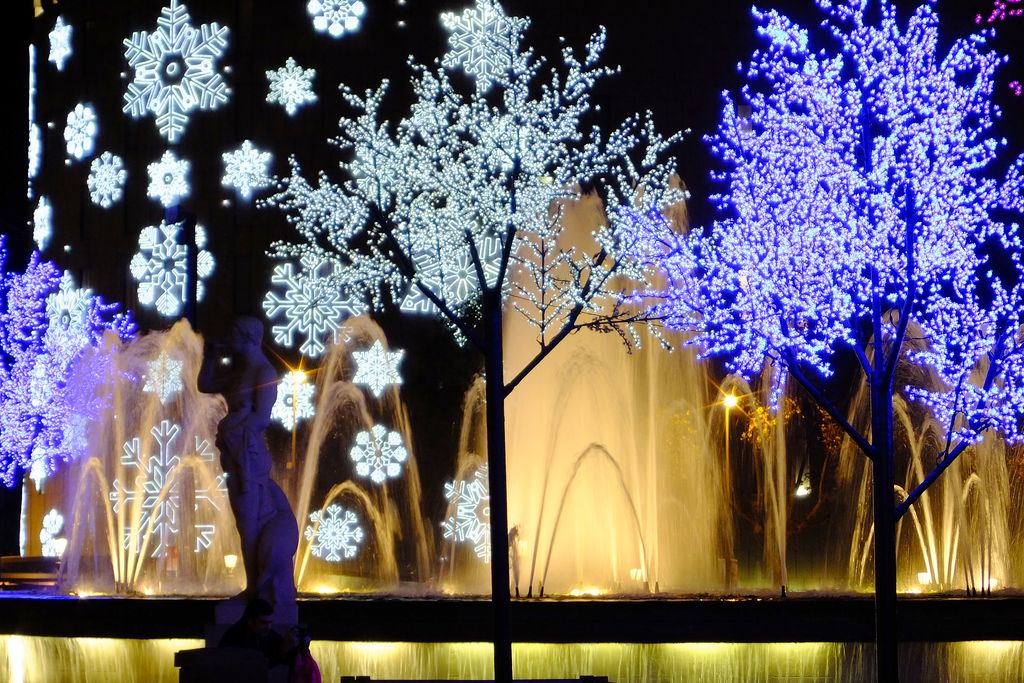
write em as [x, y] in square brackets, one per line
[378, 454]
[294, 400]
[68, 311]
[246, 169]
[483, 41]
[163, 377]
[334, 534]
[176, 70]
[311, 304]
[168, 179]
[42, 223]
[161, 267]
[471, 521]
[80, 131]
[336, 17]
[53, 524]
[60, 43]
[106, 180]
[291, 86]
[376, 368]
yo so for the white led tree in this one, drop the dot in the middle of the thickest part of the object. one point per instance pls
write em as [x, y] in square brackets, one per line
[862, 221]
[473, 165]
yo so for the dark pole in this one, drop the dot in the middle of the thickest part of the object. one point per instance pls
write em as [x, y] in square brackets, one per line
[501, 597]
[886, 631]
[177, 214]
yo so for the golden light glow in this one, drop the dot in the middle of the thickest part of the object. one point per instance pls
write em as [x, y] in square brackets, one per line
[230, 562]
[730, 401]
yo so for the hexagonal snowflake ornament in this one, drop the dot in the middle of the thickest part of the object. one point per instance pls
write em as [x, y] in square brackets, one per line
[294, 400]
[163, 377]
[471, 522]
[106, 180]
[80, 131]
[160, 513]
[334, 533]
[168, 179]
[312, 306]
[336, 17]
[378, 454]
[246, 169]
[53, 545]
[60, 43]
[483, 40]
[161, 267]
[291, 86]
[377, 368]
[42, 223]
[175, 70]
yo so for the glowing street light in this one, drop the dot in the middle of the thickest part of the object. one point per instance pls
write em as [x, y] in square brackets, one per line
[730, 401]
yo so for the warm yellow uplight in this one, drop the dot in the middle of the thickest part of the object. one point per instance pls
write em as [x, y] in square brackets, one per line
[230, 562]
[730, 401]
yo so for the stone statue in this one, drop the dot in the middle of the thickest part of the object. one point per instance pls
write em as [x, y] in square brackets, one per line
[266, 525]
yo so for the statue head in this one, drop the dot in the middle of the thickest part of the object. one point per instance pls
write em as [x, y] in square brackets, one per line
[246, 332]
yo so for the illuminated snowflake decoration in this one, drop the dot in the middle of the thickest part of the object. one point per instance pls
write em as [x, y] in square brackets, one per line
[60, 43]
[160, 516]
[291, 86]
[168, 179]
[42, 223]
[246, 169]
[336, 17]
[311, 305]
[294, 400]
[471, 522]
[35, 136]
[378, 454]
[106, 180]
[68, 312]
[376, 368]
[80, 131]
[53, 524]
[483, 41]
[176, 71]
[161, 267]
[334, 533]
[452, 275]
[163, 377]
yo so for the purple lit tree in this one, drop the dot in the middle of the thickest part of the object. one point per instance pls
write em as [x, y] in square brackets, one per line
[458, 211]
[46, 323]
[864, 204]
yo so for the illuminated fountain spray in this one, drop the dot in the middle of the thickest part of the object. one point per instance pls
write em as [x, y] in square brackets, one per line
[149, 506]
[359, 492]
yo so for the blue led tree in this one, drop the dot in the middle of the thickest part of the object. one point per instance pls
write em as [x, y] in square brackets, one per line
[863, 205]
[458, 210]
[46, 323]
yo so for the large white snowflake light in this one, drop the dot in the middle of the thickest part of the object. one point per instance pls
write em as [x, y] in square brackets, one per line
[161, 267]
[106, 180]
[53, 524]
[336, 17]
[471, 521]
[294, 400]
[68, 311]
[60, 43]
[156, 470]
[246, 169]
[312, 306]
[42, 223]
[163, 377]
[80, 131]
[483, 39]
[291, 86]
[168, 179]
[453, 275]
[378, 454]
[376, 368]
[175, 70]
[334, 533]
